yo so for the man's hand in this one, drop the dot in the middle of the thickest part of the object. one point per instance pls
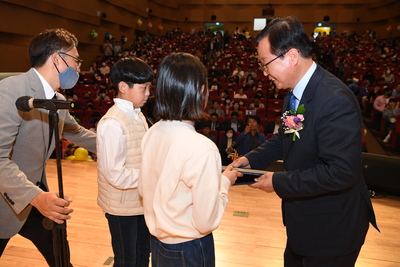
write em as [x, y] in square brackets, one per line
[241, 162]
[264, 182]
[246, 129]
[53, 207]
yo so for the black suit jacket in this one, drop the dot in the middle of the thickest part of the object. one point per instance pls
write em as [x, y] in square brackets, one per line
[269, 129]
[326, 206]
[240, 127]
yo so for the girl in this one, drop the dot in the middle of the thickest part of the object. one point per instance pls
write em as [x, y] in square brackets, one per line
[184, 193]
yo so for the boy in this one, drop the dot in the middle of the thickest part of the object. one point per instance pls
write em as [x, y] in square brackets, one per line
[119, 134]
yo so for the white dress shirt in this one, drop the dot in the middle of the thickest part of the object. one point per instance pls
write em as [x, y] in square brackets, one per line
[298, 90]
[48, 91]
[113, 149]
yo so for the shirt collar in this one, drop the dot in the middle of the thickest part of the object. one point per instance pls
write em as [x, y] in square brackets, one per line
[48, 90]
[301, 85]
[127, 106]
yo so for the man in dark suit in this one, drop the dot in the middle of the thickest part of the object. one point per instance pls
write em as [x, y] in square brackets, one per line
[215, 125]
[273, 126]
[234, 123]
[26, 143]
[326, 206]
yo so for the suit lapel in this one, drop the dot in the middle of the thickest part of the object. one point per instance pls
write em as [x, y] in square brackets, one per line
[305, 100]
[43, 116]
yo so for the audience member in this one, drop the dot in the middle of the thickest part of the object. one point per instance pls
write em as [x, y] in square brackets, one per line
[352, 83]
[96, 116]
[379, 105]
[238, 72]
[225, 72]
[248, 82]
[98, 80]
[363, 92]
[224, 94]
[93, 68]
[70, 96]
[234, 123]
[215, 125]
[388, 76]
[276, 94]
[257, 102]
[227, 105]
[86, 96]
[90, 105]
[273, 126]
[242, 104]
[215, 85]
[374, 94]
[250, 138]
[227, 145]
[251, 72]
[104, 69]
[207, 132]
[240, 94]
[107, 49]
[396, 91]
[389, 114]
[102, 95]
[370, 76]
[215, 108]
[236, 108]
[117, 48]
[214, 73]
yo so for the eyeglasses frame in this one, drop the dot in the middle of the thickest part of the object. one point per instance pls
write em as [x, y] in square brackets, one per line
[264, 67]
[77, 59]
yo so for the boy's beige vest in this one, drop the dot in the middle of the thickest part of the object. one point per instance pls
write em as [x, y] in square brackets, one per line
[123, 201]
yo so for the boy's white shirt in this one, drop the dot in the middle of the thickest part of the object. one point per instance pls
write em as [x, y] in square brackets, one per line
[113, 149]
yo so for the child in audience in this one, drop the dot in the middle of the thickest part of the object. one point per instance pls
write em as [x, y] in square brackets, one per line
[119, 134]
[184, 193]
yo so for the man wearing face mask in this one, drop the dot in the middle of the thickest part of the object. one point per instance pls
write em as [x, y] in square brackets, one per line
[26, 142]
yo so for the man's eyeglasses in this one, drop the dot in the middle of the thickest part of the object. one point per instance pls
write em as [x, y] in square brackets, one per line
[264, 67]
[77, 59]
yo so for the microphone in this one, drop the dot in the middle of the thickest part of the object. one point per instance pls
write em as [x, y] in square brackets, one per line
[26, 103]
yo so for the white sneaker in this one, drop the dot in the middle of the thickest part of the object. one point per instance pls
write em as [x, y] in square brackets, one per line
[387, 139]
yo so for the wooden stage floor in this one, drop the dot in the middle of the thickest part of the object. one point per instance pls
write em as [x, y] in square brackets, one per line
[256, 240]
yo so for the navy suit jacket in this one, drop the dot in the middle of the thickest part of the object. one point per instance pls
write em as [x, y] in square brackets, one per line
[326, 206]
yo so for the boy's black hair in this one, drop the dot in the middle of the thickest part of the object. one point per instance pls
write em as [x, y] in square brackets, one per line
[131, 71]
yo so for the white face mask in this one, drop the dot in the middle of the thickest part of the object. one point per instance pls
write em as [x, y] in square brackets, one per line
[229, 135]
